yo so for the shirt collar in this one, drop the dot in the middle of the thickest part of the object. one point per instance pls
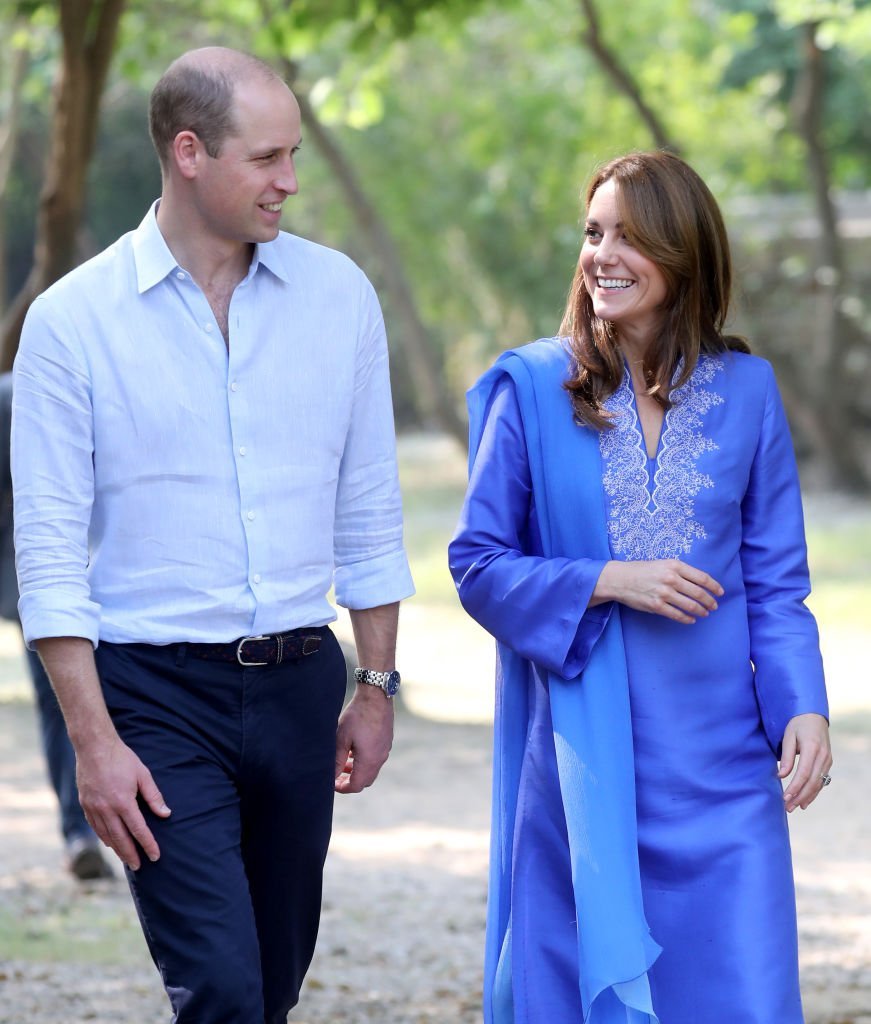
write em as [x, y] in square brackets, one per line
[151, 254]
[269, 255]
[154, 261]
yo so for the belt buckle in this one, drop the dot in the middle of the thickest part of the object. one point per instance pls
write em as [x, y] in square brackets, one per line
[241, 644]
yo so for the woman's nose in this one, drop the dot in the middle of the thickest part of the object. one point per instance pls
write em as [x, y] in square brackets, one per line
[606, 253]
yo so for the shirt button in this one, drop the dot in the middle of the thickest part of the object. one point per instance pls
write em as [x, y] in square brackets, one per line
[256, 577]
[234, 386]
[208, 327]
[250, 516]
[180, 276]
[243, 450]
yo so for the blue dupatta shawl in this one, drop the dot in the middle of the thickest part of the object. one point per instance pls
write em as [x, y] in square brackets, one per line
[591, 720]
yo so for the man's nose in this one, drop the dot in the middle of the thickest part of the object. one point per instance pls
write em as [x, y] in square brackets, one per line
[286, 179]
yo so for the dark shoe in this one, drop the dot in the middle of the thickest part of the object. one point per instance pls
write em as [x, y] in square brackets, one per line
[85, 859]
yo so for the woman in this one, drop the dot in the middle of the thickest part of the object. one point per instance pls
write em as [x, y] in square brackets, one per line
[633, 538]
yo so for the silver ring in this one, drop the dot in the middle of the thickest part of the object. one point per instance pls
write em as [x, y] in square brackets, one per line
[825, 780]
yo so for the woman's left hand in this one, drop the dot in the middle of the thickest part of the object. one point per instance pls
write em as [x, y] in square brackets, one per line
[808, 737]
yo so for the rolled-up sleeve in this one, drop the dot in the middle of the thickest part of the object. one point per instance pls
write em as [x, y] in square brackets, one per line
[53, 479]
[371, 567]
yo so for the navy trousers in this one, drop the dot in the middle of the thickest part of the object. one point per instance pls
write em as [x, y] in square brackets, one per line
[244, 757]
[60, 758]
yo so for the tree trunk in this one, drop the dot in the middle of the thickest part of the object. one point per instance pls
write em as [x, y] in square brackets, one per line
[433, 401]
[88, 31]
[18, 61]
[610, 64]
[828, 385]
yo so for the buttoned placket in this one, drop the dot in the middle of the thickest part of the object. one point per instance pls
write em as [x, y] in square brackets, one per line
[240, 408]
[238, 402]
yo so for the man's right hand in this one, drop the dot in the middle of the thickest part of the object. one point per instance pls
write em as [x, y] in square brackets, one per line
[111, 778]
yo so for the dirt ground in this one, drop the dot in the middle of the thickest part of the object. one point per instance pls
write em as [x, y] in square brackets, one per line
[401, 939]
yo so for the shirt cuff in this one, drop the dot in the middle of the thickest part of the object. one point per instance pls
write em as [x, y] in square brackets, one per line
[374, 582]
[48, 615]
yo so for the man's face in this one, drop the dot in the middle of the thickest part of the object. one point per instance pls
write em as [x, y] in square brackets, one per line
[238, 194]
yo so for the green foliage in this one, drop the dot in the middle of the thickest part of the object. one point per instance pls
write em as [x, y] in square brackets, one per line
[768, 60]
[372, 20]
[486, 130]
[473, 125]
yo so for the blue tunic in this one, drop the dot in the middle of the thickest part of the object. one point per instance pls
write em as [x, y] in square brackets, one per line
[636, 803]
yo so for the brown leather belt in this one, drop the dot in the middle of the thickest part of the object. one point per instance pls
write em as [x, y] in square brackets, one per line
[254, 651]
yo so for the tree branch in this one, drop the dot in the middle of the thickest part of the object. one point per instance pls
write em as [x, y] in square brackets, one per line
[829, 386]
[608, 61]
[808, 111]
[432, 399]
[18, 62]
[88, 32]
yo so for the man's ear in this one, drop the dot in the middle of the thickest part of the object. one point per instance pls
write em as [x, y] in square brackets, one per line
[187, 153]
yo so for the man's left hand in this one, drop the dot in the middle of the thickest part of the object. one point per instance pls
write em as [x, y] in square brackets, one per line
[363, 739]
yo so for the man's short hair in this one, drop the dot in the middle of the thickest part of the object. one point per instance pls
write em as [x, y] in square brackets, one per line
[192, 96]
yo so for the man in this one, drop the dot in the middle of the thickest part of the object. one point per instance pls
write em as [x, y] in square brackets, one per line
[84, 857]
[202, 444]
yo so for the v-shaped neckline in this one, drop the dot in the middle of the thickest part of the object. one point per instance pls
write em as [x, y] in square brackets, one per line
[639, 423]
[650, 501]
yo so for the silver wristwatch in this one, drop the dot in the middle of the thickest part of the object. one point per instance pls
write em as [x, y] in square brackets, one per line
[386, 681]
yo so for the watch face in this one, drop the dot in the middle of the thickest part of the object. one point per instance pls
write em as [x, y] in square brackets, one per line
[391, 687]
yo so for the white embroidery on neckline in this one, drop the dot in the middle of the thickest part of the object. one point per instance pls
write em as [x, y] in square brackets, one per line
[641, 525]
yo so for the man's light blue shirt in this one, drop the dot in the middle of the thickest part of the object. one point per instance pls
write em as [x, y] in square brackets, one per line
[168, 490]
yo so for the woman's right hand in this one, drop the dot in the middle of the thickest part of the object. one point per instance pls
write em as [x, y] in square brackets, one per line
[666, 587]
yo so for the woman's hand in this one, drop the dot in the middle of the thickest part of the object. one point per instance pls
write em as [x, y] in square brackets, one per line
[808, 737]
[667, 587]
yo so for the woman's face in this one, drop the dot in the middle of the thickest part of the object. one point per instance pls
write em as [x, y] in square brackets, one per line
[626, 287]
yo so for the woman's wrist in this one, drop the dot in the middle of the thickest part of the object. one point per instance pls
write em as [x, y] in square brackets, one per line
[606, 588]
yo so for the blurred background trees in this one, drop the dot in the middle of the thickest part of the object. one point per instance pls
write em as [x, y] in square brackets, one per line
[445, 146]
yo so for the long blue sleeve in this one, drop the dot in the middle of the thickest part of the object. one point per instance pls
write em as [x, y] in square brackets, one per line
[784, 644]
[535, 605]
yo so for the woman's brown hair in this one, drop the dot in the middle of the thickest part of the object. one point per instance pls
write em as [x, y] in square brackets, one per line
[670, 216]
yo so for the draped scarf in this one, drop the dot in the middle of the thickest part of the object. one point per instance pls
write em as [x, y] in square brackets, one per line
[590, 714]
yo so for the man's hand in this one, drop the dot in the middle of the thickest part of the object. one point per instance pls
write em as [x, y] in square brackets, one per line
[363, 739]
[365, 733]
[666, 587]
[808, 737]
[110, 776]
[110, 779]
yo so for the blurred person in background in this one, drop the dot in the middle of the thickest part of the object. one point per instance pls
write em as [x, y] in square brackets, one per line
[633, 537]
